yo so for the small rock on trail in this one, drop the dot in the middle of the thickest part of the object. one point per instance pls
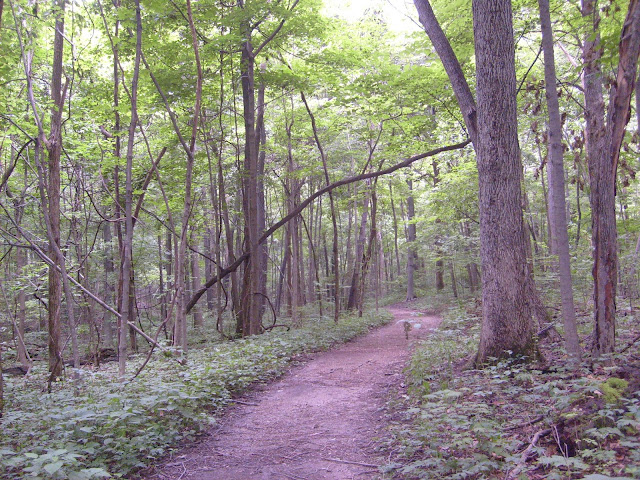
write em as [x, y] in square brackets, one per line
[321, 421]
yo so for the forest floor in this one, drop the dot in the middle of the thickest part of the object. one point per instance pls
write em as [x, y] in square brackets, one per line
[325, 419]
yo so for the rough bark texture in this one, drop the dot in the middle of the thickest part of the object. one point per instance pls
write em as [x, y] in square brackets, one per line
[558, 217]
[250, 311]
[603, 144]
[507, 318]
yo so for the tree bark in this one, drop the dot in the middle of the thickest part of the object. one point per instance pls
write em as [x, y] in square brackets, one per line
[395, 235]
[54, 147]
[1, 385]
[354, 291]
[558, 217]
[250, 307]
[507, 327]
[452, 275]
[603, 144]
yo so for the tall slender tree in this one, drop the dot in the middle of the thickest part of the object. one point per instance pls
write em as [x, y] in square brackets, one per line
[555, 165]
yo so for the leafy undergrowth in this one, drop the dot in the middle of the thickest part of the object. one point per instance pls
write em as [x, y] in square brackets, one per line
[96, 428]
[516, 420]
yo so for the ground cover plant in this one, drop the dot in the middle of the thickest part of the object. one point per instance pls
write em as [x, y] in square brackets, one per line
[95, 428]
[517, 419]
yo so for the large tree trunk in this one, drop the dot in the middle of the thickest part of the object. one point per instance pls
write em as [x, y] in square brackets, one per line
[507, 327]
[558, 217]
[603, 144]
[250, 305]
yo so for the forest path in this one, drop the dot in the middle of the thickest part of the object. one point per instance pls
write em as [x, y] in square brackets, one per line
[322, 420]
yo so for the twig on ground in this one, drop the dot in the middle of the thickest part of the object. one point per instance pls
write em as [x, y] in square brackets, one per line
[240, 402]
[630, 344]
[526, 454]
[349, 462]
[526, 424]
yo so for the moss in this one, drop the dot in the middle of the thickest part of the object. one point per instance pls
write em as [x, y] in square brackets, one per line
[613, 389]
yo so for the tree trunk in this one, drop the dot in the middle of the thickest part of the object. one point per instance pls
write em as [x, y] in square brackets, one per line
[603, 148]
[452, 275]
[366, 260]
[250, 307]
[261, 139]
[162, 293]
[196, 280]
[208, 240]
[54, 148]
[395, 234]
[127, 306]
[292, 202]
[354, 291]
[560, 238]
[107, 322]
[411, 241]
[21, 263]
[507, 326]
[169, 266]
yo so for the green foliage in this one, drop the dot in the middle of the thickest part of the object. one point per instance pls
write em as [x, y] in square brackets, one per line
[613, 389]
[95, 428]
[471, 424]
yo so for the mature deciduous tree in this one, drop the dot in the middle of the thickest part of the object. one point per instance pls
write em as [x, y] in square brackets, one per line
[603, 142]
[507, 324]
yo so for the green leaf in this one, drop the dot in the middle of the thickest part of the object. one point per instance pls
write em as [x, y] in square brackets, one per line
[52, 468]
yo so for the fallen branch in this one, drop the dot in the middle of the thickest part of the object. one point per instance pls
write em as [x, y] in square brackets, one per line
[512, 474]
[630, 344]
[294, 213]
[526, 424]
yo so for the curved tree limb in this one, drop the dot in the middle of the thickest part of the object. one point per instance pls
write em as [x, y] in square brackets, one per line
[244, 257]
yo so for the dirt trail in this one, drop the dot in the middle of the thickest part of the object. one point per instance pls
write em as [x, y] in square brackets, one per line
[320, 421]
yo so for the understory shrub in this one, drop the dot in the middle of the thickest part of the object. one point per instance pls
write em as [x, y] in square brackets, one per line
[94, 427]
[480, 424]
